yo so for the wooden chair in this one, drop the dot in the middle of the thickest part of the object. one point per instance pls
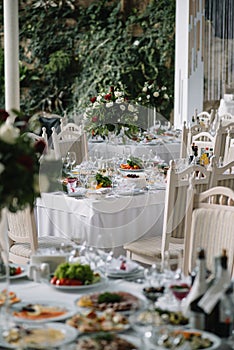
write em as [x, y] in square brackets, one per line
[23, 238]
[221, 175]
[152, 249]
[209, 224]
[70, 140]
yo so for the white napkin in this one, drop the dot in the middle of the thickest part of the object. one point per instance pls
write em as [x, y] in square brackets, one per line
[78, 191]
[214, 293]
[121, 265]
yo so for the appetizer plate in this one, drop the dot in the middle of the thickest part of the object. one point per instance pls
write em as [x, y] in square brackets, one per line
[132, 170]
[20, 275]
[66, 311]
[79, 288]
[97, 321]
[127, 303]
[66, 334]
[216, 341]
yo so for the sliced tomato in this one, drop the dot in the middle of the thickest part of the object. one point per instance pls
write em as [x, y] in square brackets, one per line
[75, 282]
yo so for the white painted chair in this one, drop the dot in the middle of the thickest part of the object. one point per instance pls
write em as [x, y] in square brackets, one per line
[23, 238]
[221, 175]
[186, 138]
[70, 140]
[209, 224]
[152, 249]
[229, 146]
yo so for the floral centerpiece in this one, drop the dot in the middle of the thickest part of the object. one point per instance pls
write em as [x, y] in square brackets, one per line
[153, 95]
[111, 111]
[19, 164]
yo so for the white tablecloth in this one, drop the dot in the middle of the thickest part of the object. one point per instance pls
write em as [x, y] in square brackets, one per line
[126, 218]
[166, 151]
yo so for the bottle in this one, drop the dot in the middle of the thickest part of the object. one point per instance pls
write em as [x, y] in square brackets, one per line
[199, 288]
[219, 315]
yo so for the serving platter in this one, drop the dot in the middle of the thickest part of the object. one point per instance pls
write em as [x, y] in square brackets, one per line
[17, 276]
[45, 310]
[41, 336]
[70, 288]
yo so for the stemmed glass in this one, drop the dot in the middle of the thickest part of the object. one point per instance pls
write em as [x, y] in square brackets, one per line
[105, 250]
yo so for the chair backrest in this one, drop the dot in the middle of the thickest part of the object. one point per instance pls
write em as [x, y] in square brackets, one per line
[229, 146]
[205, 118]
[175, 201]
[203, 140]
[69, 140]
[209, 224]
[22, 228]
[191, 132]
[221, 138]
[221, 175]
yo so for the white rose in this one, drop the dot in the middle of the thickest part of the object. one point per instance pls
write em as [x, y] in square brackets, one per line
[122, 107]
[118, 94]
[144, 89]
[148, 97]
[164, 88]
[2, 167]
[119, 100]
[166, 96]
[131, 108]
[99, 98]
[96, 104]
[156, 94]
[139, 98]
[135, 118]
[109, 104]
[8, 133]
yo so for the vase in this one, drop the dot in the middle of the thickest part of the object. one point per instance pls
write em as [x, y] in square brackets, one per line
[4, 268]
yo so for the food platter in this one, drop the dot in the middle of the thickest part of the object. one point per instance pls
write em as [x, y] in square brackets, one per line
[82, 288]
[120, 341]
[45, 310]
[132, 170]
[212, 338]
[115, 300]
[92, 321]
[22, 274]
[48, 335]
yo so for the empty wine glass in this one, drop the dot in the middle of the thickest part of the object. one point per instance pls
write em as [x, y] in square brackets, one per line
[105, 250]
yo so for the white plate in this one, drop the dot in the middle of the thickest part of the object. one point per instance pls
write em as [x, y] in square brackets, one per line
[214, 338]
[70, 334]
[123, 274]
[134, 192]
[70, 310]
[21, 275]
[79, 288]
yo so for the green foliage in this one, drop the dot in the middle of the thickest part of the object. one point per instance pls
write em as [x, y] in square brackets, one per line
[69, 53]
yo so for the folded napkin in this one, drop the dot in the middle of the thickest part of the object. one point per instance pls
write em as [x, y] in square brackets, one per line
[77, 191]
[121, 265]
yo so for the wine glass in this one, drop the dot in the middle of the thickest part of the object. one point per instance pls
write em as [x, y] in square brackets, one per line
[105, 250]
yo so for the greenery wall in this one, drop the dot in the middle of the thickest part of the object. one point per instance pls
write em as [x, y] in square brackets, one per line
[69, 52]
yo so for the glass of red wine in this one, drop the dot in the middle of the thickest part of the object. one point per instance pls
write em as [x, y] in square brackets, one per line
[180, 290]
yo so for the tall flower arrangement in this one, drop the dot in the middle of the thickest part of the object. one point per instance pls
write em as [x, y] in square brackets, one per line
[19, 164]
[111, 111]
[153, 95]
